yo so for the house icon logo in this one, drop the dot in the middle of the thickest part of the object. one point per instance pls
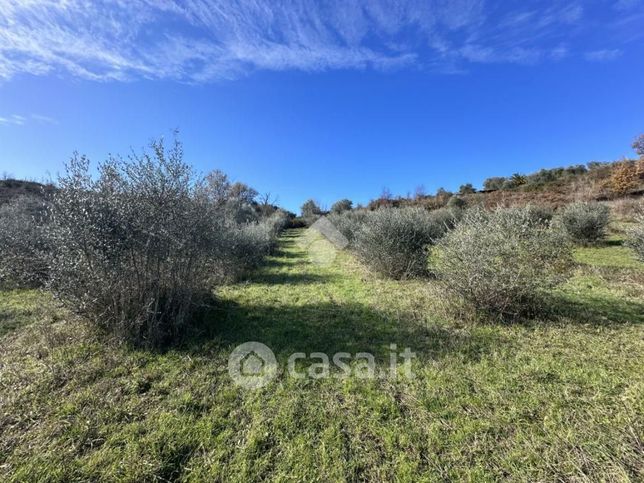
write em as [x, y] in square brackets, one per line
[252, 365]
[322, 240]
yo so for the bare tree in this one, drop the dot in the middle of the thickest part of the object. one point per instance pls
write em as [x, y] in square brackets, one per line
[386, 194]
[267, 204]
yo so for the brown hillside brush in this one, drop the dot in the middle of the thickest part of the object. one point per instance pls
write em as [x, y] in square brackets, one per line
[625, 178]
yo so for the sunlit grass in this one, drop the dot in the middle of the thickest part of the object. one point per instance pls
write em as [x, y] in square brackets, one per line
[23, 307]
[608, 255]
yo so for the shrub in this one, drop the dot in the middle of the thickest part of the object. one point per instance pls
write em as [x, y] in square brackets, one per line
[502, 262]
[539, 213]
[273, 226]
[277, 223]
[585, 222]
[638, 145]
[494, 183]
[626, 209]
[544, 176]
[394, 241]
[635, 238]
[456, 202]
[445, 219]
[341, 206]
[234, 201]
[297, 222]
[442, 197]
[24, 246]
[348, 222]
[133, 248]
[311, 211]
[466, 189]
[514, 181]
[576, 170]
[624, 178]
[243, 248]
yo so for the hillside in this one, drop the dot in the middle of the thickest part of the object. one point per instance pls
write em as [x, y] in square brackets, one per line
[14, 188]
[596, 181]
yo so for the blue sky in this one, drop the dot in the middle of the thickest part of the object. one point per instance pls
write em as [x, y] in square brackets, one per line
[324, 99]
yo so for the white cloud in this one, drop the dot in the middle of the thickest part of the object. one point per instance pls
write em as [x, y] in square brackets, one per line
[13, 120]
[43, 119]
[603, 55]
[18, 120]
[203, 40]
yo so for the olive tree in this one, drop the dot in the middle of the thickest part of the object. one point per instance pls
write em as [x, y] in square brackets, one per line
[341, 206]
[502, 262]
[133, 247]
[393, 241]
[311, 211]
[585, 222]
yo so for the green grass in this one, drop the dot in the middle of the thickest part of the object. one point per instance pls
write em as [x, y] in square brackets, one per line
[611, 254]
[22, 307]
[542, 400]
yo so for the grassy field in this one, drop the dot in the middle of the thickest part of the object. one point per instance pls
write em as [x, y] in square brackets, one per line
[554, 399]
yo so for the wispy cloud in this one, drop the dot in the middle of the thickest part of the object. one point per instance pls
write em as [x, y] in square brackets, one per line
[603, 55]
[44, 119]
[202, 40]
[12, 120]
[18, 120]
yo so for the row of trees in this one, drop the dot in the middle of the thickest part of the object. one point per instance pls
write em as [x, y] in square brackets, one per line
[311, 210]
[139, 246]
[503, 261]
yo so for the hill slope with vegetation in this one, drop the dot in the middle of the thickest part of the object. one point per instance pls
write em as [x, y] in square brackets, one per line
[125, 293]
[10, 189]
[595, 181]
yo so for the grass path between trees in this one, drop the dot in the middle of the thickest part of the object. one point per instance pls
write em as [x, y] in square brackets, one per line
[556, 399]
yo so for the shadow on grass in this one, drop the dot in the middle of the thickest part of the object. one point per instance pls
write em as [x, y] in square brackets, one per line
[331, 328]
[286, 278]
[562, 309]
[611, 243]
[10, 321]
[282, 252]
[280, 262]
[595, 310]
[21, 307]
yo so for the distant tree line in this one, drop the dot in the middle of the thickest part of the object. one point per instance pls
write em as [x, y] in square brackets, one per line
[615, 178]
